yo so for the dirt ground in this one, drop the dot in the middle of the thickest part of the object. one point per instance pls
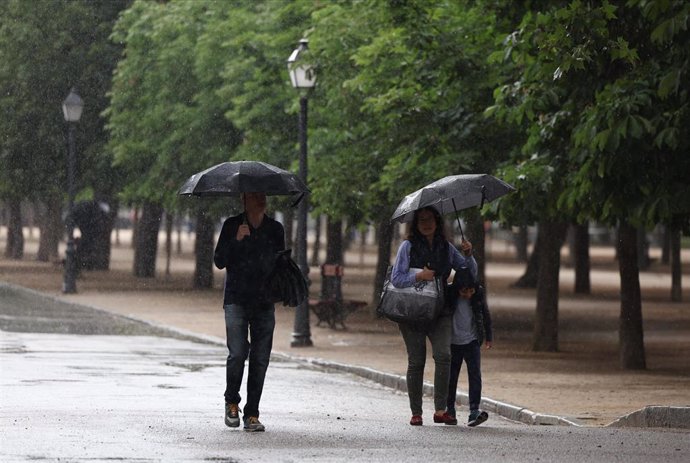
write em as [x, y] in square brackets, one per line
[582, 381]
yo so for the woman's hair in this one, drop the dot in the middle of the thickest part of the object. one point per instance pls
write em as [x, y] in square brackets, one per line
[412, 229]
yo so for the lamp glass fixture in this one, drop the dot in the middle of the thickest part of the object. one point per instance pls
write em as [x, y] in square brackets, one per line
[72, 106]
[302, 74]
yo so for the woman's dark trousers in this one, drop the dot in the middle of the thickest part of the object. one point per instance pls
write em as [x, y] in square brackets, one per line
[415, 342]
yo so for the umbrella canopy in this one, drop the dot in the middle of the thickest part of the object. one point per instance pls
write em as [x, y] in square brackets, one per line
[452, 194]
[233, 178]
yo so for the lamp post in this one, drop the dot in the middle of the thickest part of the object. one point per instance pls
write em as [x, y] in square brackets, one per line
[71, 108]
[303, 79]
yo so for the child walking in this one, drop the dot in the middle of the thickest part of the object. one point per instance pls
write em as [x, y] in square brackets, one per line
[471, 327]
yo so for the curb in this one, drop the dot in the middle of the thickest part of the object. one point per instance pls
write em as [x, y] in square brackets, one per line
[398, 382]
[655, 416]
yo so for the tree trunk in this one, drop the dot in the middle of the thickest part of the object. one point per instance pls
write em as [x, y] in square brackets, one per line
[529, 278]
[102, 245]
[581, 258]
[203, 250]
[348, 235]
[630, 331]
[475, 234]
[316, 249]
[178, 229]
[15, 236]
[666, 245]
[362, 245]
[545, 336]
[135, 226]
[334, 255]
[51, 229]
[146, 244]
[643, 260]
[521, 242]
[674, 251]
[384, 233]
[168, 241]
[334, 241]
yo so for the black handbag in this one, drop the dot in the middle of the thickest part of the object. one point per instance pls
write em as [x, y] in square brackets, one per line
[419, 303]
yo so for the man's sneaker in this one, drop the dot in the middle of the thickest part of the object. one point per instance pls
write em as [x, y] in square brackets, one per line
[477, 417]
[445, 418]
[232, 415]
[252, 424]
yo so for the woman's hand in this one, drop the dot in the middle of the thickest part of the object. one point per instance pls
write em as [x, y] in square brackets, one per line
[426, 274]
[466, 248]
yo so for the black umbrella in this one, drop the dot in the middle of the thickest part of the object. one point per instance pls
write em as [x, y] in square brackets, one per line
[451, 194]
[233, 178]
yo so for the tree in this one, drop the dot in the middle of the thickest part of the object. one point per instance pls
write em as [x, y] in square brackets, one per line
[581, 261]
[637, 128]
[164, 120]
[538, 98]
[581, 78]
[48, 47]
[404, 92]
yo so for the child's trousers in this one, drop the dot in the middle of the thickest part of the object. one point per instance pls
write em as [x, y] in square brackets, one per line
[470, 353]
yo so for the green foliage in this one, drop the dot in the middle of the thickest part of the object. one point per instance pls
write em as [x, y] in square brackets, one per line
[258, 40]
[584, 105]
[404, 89]
[164, 123]
[591, 89]
[633, 140]
[48, 47]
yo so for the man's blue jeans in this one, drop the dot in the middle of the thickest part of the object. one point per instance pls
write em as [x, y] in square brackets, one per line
[471, 354]
[256, 321]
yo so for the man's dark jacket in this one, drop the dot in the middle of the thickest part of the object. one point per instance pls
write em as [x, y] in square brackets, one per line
[248, 262]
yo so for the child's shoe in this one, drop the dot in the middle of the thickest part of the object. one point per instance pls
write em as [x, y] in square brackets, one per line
[477, 417]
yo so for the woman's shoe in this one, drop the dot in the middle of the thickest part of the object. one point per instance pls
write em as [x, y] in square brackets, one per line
[416, 420]
[445, 418]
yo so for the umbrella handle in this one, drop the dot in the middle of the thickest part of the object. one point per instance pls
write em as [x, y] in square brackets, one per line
[483, 196]
[244, 211]
[457, 216]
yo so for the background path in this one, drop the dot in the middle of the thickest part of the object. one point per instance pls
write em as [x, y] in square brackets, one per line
[582, 382]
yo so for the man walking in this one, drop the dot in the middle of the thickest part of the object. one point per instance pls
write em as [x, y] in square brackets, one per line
[247, 248]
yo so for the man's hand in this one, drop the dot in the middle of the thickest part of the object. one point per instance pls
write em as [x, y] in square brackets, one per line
[242, 231]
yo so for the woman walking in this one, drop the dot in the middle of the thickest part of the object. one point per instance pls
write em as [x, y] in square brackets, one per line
[424, 255]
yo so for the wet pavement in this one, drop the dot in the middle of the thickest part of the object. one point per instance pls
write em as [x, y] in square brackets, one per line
[78, 384]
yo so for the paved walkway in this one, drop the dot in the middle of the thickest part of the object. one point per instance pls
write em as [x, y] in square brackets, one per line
[580, 384]
[79, 384]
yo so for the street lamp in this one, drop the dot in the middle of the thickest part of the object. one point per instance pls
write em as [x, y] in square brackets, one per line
[71, 108]
[303, 78]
